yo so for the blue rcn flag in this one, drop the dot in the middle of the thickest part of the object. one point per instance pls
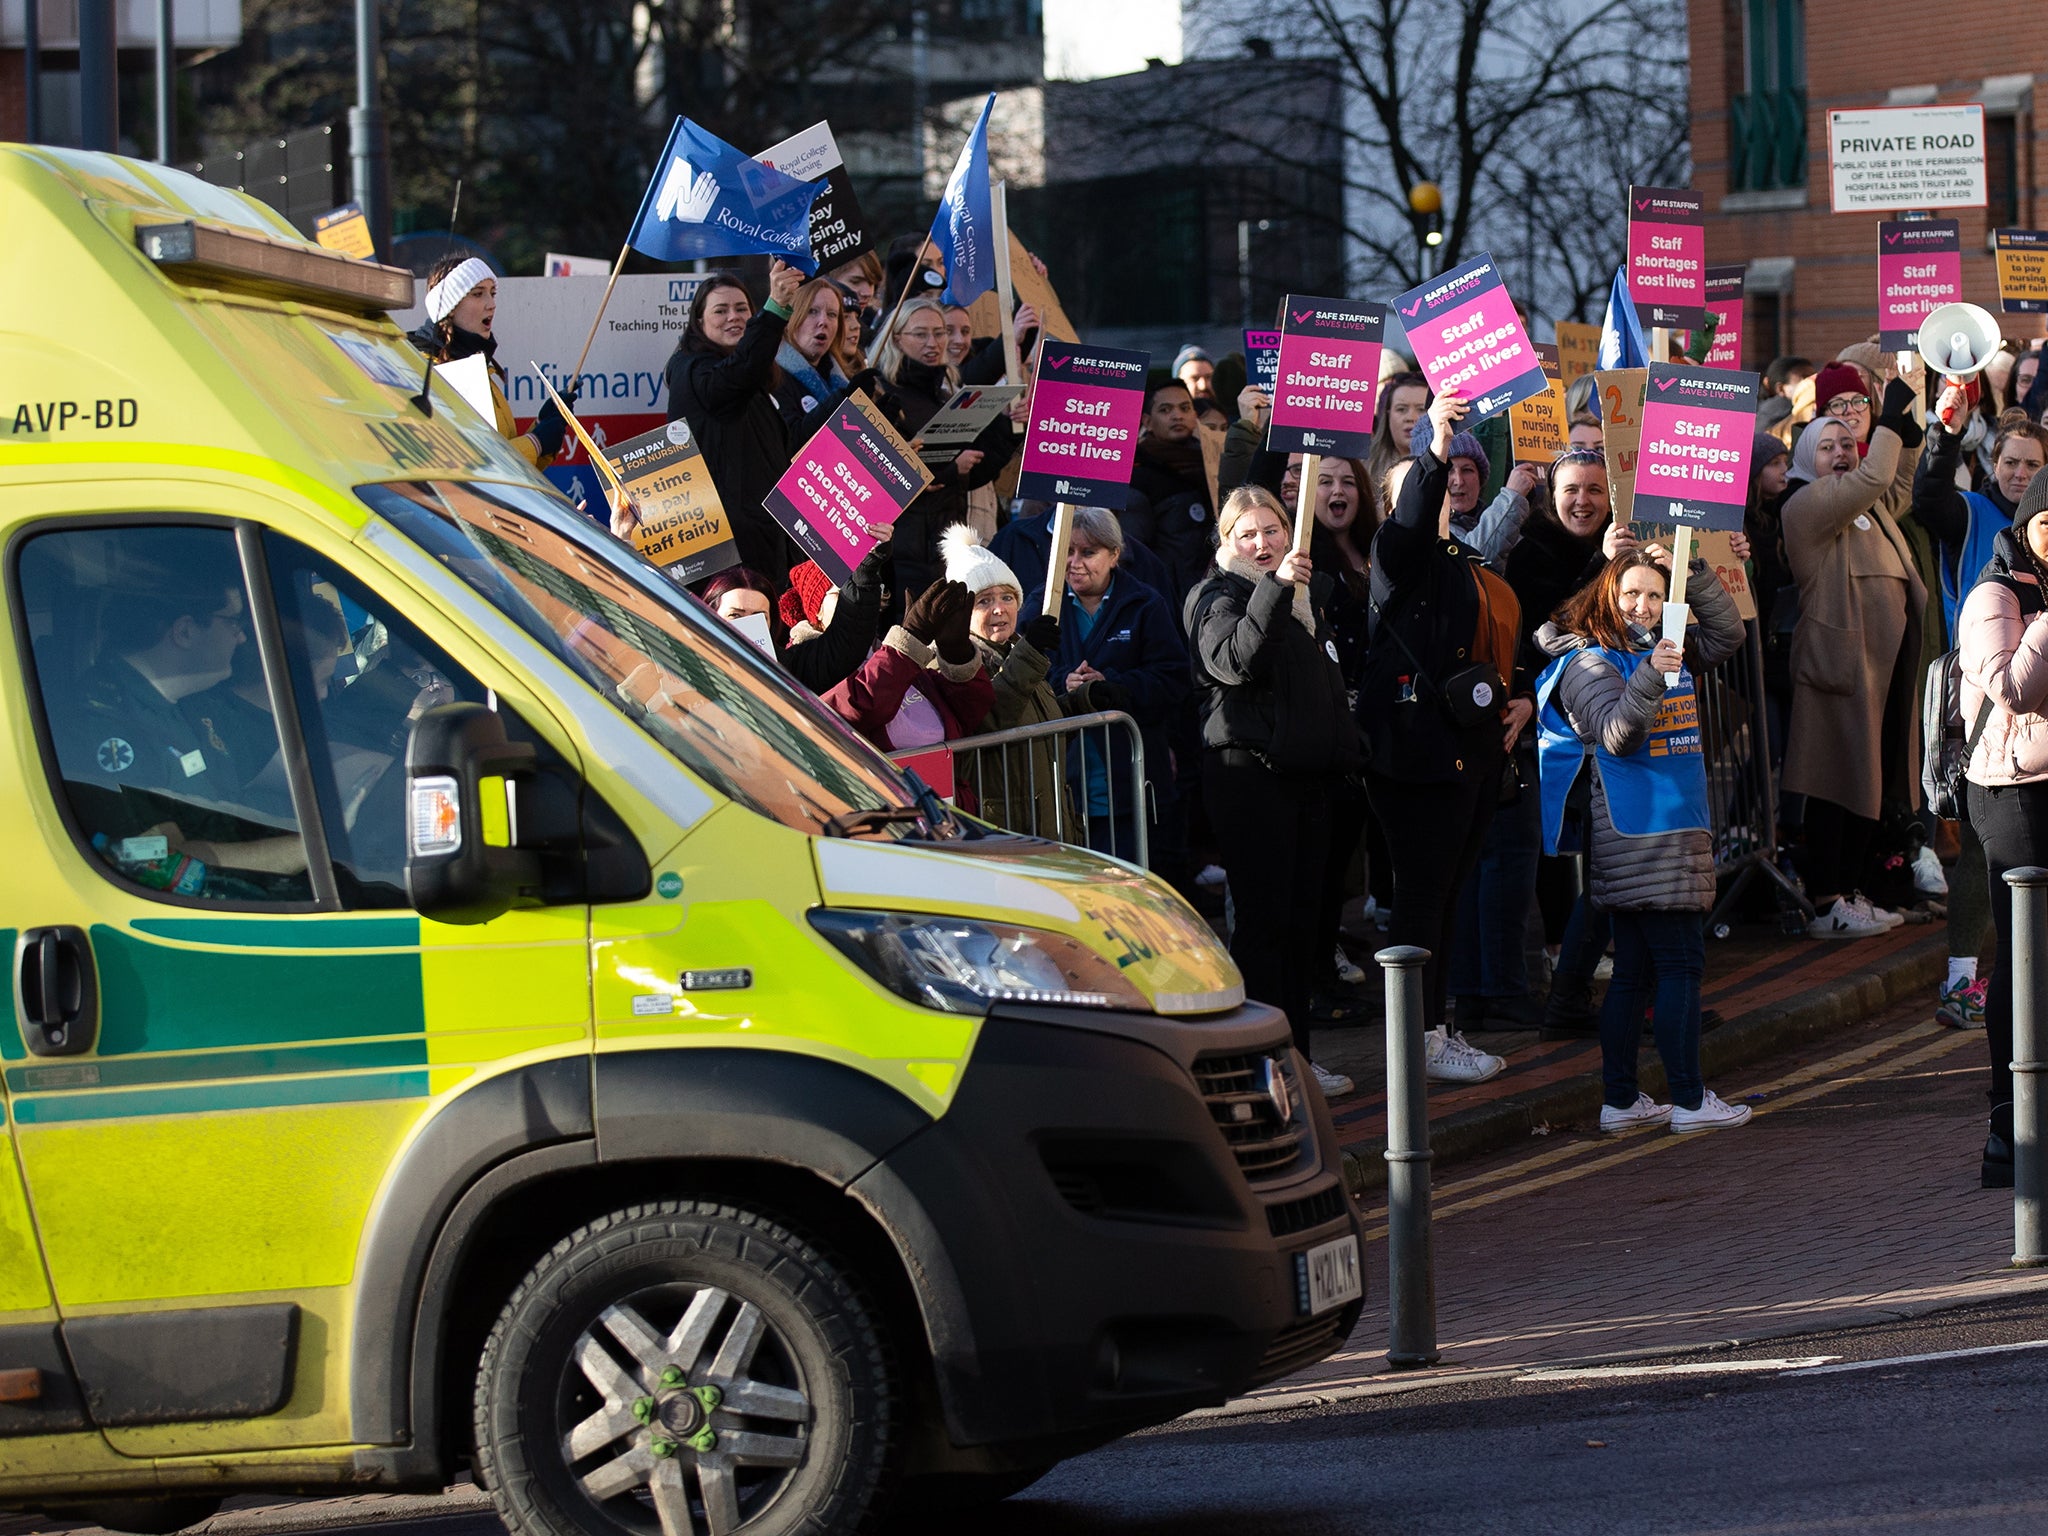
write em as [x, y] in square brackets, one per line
[964, 233]
[1621, 333]
[708, 199]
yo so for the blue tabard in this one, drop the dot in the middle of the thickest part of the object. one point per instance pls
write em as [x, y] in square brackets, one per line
[1659, 788]
[1956, 580]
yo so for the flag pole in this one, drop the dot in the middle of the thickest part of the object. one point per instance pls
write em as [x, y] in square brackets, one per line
[598, 318]
[999, 206]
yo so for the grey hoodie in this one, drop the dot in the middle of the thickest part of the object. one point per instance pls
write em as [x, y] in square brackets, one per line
[1672, 871]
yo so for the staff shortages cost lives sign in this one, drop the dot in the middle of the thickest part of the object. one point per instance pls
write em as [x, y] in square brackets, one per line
[1467, 336]
[1699, 428]
[1327, 376]
[1082, 440]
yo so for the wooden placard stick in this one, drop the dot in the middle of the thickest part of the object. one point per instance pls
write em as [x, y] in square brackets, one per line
[1305, 500]
[1056, 561]
[598, 319]
[1006, 299]
[1660, 344]
[1681, 562]
[602, 464]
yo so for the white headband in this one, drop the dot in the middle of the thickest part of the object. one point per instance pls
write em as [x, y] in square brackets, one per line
[454, 288]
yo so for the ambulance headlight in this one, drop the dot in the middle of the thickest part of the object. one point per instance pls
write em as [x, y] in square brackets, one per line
[959, 965]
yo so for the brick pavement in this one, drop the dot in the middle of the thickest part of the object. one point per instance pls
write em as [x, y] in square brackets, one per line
[1851, 1197]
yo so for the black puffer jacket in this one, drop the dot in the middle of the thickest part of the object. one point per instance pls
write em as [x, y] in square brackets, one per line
[1266, 683]
[726, 399]
[1427, 615]
[909, 403]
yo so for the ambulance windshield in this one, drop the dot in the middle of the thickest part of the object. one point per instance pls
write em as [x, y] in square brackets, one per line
[727, 712]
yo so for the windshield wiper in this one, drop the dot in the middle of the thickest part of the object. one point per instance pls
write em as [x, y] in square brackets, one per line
[846, 823]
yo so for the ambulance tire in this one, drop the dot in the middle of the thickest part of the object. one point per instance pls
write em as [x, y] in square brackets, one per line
[818, 1330]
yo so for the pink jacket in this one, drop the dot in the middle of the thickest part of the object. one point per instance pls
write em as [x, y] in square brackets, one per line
[2006, 656]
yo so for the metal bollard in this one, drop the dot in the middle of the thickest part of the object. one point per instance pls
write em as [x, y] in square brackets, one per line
[2029, 917]
[1411, 1266]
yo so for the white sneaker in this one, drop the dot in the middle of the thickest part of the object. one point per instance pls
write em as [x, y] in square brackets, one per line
[1929, 879]
[1845, 920]
[1348, 972]
[1714, 1114]
[1645, 1111]
[1211, 875]
[1334, 1084]
[1604, 971]
[1450, 1058]
[1873, 911]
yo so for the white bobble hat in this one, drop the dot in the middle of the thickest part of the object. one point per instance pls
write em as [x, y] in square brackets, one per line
[973, 564]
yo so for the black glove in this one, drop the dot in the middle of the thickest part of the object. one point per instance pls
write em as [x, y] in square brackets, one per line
[955, 644]
[549, 427]
[933, 609]
[1898, 413]
[1108, 695]
[1044, 633]
[873, 569]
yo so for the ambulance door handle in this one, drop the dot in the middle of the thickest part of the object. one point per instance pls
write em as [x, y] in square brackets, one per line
[56, 991]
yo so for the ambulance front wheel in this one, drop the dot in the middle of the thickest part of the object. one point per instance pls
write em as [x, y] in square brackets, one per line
[686, 1368]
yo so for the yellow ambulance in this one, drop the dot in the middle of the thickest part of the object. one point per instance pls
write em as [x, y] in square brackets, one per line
[471, 1013]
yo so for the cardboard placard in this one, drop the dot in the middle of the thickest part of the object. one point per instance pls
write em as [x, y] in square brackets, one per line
[1724, 304]
[1886, 158]
[985, 313]
[683, 526]
[1712, 545]
[2022, 270]
[1667, 256]
[1537, 425]
[1328, 377]
[957, 423]
[1262, 359]
[1919, 269]
[1699, 428]
[344, 229]
[854, 472]
[1467, 337]
[839, 231]
[1620, 392]
[1578, 350]
[1081, 434]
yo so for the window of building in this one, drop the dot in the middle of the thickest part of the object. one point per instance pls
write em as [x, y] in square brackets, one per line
[1767, 120]
[2002, 170]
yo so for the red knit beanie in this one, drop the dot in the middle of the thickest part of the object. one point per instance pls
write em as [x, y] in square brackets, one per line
[1839, 379]
[805, 599]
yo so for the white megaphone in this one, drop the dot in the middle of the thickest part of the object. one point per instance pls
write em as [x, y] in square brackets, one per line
[1957, 340]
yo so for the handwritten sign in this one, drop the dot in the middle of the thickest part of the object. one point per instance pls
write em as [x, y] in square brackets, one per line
[1919, 269]
[1578, 350]
[1712, 545]
[1699, 428]
[1081, 440]
[1885, 158]
[683, 526]
[1467, 337]
[1537, 425]
[1620, 392]
[2022, 270]
[1329, 376]
[856, 471]
[1667, 256]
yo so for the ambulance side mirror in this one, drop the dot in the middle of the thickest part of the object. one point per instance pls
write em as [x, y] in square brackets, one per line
[463, 862]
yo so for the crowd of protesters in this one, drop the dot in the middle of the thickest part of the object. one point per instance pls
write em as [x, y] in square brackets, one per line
[1455, 701]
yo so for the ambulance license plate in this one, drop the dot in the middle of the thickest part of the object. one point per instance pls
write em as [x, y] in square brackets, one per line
[1328, 1276]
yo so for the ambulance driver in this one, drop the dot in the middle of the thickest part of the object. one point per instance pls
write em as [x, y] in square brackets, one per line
[1619, 754]
[462, 303]
[156, 786]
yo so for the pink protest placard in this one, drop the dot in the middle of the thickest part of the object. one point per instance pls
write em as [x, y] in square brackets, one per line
[1328, 376]
[1465, 334]
[1699, 428]
[1667, 256]
[855, 472]
[1919, 269]
[1724, 303]
[1082, 438]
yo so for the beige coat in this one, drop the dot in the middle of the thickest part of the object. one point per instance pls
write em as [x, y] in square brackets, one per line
[1861, 604]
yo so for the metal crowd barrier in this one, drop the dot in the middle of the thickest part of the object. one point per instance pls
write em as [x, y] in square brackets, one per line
[997, 776]
[1741, 791]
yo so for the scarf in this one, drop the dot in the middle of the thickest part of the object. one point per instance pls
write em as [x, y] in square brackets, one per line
[805, 372]
[1237, 565]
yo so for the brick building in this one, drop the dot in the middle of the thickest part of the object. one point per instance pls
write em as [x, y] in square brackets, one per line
[1765, 74]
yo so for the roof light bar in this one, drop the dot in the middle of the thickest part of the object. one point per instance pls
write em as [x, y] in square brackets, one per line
[281, 266]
